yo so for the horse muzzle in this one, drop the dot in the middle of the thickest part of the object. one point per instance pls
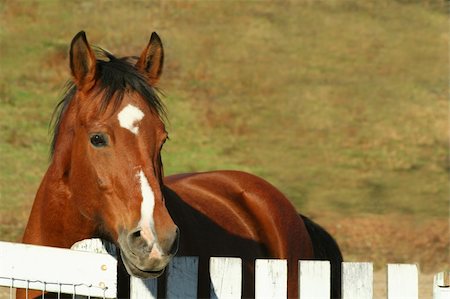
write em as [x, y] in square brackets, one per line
[146, 258]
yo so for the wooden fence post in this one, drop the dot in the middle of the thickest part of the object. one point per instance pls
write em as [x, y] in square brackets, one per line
[357, 280]
[402, 281]
[314, 279]
[270, 279]
[143, 288]
[441, 285]
[226, 277]
[182, 278]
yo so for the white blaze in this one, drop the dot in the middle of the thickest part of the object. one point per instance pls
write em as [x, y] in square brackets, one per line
[148, 203]
[129, 117]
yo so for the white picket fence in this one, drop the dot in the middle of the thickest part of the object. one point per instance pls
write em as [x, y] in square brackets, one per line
[88, 271]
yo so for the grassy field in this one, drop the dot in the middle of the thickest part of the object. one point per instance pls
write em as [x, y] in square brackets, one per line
[341, 104]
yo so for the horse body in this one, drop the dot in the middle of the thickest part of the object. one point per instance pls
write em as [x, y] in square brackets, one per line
[106, 180]
[230, 213]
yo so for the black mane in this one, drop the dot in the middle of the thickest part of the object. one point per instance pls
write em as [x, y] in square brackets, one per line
[115, 77]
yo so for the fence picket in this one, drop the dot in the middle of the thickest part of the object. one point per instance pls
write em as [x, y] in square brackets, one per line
[143, 288]
[402, 281]
[182, 278]
[357, 280]
[314, 279]
[270, 279]
[441, 285]
[226, 277]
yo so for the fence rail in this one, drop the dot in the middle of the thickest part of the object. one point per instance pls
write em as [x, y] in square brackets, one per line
[94, 273]
[57, 270]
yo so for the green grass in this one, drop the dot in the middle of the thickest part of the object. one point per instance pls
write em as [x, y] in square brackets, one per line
[341, 104]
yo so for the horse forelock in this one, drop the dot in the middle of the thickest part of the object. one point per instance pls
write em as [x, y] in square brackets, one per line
[114, 78]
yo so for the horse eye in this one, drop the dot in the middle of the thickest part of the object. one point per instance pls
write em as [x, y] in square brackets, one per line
[98, 140]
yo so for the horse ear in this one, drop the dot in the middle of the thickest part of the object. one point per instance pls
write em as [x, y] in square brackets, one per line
[151, 60]
[82, 61]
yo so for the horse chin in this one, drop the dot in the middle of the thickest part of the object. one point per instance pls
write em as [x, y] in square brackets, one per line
[146, 274]
[135, 271]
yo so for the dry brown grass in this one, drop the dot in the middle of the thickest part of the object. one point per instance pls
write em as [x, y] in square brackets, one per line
[392, 239]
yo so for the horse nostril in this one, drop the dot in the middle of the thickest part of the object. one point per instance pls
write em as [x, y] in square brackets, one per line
[136, 234]
[137, 243]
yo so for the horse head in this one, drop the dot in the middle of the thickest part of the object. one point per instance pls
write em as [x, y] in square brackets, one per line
[107, 144]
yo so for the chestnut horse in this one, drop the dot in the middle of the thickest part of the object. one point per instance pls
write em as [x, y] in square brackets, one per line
[106, 180]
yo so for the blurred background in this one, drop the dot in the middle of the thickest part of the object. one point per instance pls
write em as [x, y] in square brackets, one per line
[341, 104]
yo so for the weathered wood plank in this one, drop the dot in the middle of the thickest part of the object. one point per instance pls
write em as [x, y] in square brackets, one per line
[357, 280]
[143, 288]
[314, 279]
[226, 277]
[58, 270]
[96, 246]
[270, 279]
[402, 281]
[182, 278]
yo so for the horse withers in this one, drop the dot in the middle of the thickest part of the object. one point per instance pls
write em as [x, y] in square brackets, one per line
[106, 180]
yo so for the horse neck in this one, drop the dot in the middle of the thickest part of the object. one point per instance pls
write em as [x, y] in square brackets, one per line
[55, 219]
